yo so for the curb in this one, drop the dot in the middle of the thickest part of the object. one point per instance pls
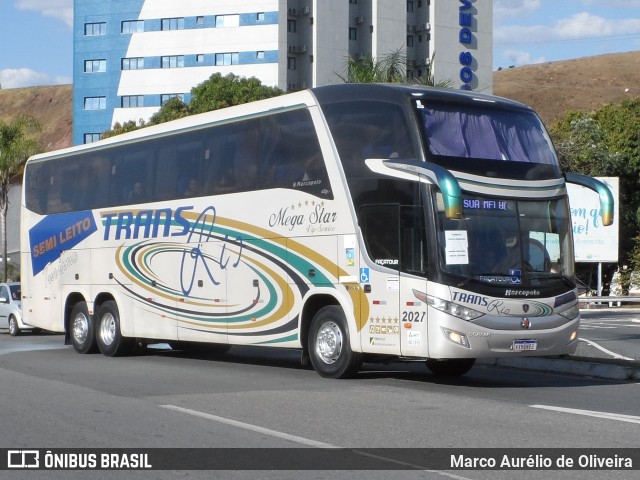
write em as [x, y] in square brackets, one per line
[587, 367]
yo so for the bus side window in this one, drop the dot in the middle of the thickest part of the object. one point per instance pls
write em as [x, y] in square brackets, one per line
[231, 159]
[380, 230]
[291, 154]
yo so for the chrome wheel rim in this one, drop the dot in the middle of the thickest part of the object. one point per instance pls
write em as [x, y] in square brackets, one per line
[107, 329]
[80, 328]
[13, 327]
[329, 343]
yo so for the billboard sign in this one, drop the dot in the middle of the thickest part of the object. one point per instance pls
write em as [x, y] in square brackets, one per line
[592, 241]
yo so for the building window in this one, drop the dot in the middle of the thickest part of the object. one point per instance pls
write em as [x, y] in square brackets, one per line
[200, 58]
[132, 101]
[92, 137]
[260, 55]
[353, 33]
[173, 23]
[133, 26]
[410, 6]
[94, 29]
[136, 63]
[173, 61]
[199, 20]
[227, 58]
[95, 103]
[260, 17]
[409, 40]
[227, 20]
[165, 97]
[95, 66]
[292, 26]
[291, 63]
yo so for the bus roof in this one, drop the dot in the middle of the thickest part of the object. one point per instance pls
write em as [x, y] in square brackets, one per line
[396, 93]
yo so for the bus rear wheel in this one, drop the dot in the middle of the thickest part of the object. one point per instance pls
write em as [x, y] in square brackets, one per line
[450, 367]
[329, 346]
[82, 330]
[110, 341]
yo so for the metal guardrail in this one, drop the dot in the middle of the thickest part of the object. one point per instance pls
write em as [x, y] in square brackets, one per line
[618, 299]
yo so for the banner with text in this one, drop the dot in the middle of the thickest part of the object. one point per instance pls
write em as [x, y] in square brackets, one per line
[592, 241]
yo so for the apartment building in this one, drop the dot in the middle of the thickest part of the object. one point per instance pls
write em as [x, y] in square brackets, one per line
[130, 56]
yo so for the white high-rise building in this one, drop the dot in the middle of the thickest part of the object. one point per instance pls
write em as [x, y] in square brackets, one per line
[132, 55]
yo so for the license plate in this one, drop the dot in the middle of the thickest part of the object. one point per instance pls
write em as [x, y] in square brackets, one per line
[519, 345]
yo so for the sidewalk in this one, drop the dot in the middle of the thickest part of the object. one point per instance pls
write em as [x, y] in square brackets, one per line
[572, 364]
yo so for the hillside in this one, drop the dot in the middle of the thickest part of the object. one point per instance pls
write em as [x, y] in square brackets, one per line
[583, 84]
[551, 89]
[51, 106]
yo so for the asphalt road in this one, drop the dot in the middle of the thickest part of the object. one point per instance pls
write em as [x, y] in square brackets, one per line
[610, 333]
[258, 398]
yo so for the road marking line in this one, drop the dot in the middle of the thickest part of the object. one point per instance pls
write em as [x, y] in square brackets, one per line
[602, 349]
[301, 440]
[590, 413]
[253, 428]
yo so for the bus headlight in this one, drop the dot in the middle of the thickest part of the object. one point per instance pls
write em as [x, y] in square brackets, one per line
[456, 337]
[459, 311]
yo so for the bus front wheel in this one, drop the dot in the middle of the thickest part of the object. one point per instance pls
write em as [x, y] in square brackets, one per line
[329, 347]
[110, 341]
[82, 330]
[451, 367]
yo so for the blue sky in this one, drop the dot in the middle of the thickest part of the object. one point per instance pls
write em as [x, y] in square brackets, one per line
[36, 36]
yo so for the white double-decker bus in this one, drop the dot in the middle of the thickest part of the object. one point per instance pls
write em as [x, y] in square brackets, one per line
[353, 222]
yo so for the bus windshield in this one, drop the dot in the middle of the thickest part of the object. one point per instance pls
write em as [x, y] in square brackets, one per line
[514, 242]
[505, 140]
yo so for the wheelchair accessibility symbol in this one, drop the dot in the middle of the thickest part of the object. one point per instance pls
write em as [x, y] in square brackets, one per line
[364, 275]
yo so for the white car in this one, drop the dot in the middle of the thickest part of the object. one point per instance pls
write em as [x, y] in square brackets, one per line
[11, 309]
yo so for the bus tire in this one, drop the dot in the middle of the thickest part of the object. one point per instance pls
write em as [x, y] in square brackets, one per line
[82, 331]
[14, 329]
[110, 341]
[450, 367]
[329, 347]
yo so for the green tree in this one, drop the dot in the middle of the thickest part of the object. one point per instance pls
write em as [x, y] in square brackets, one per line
[212, 94]
[607, 143]
[120, 128]
[221, 92]
[172, 109]
[17, 144]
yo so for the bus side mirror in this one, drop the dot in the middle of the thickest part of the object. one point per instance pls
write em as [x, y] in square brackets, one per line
[598, 186]
[426, 172]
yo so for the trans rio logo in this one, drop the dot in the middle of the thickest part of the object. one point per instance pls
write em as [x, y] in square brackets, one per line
[161, 223]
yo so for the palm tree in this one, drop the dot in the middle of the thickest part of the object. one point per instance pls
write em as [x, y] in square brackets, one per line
[16, 145]
[390, 68]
